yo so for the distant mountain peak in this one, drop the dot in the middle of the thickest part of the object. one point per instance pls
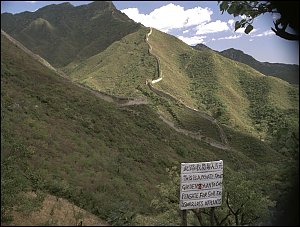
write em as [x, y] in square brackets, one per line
[101, 5]
[62, 33]
[61, 6]
[201, 47]
[237, 54]
[286, 72]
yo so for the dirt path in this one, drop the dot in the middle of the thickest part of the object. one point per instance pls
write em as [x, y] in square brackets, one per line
[224, 145]
[54, 211]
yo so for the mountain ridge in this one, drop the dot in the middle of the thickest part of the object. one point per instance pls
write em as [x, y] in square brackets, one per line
[59, 137]
[287, 72]
[64, 33]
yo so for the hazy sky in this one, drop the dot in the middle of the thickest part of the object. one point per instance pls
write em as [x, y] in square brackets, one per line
[196, 22]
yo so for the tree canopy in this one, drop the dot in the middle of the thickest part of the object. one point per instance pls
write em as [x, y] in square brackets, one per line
[249, 10]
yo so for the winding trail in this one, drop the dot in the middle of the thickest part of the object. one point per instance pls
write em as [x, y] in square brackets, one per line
[224, 145]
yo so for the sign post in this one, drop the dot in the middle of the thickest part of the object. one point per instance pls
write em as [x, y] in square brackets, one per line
[184, 218]
[201, 185]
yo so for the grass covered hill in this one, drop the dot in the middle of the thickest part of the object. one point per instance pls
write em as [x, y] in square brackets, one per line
[63, 33]
[287, 72]
[60, 139]
[235, 94]
[121, 69]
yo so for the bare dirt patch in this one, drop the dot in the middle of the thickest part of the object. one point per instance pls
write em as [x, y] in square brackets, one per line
[55, 211]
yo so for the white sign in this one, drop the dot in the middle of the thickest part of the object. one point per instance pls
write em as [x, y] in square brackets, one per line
[201, 185]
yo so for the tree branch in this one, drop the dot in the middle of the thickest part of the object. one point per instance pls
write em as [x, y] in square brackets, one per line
[227, 202]
[216, 219]
[224, 219]
[283, 34]
[251, 221]
[199, 217]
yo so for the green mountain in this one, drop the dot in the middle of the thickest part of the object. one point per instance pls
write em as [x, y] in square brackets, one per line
[102, 134]
[121, 69]
[60, 138]
[202, 80]
[63, 33]
[201, 47]
[287, 72]
[206, 80]
[237, 95]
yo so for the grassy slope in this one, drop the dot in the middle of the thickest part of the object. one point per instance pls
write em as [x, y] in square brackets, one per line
[194, 77]
[201, 79]
[121, 69]
[127, 78]
[59, 138]
[217, 84]
[175, 80]
[54, 211]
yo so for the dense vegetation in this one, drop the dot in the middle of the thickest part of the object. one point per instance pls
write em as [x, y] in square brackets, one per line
[61, 139]
[267, 105]
[261, 111]
[204, 88]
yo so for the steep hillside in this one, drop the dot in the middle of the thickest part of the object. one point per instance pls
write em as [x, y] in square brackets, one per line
[235, 94]
[63, 33]
[121, 69]
[287, 72]
[136, 65]
[64, 140]
[198, 79]
[168, 50]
